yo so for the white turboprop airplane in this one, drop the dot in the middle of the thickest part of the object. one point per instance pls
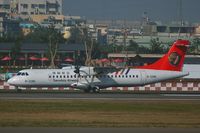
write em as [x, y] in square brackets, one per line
[96, 78]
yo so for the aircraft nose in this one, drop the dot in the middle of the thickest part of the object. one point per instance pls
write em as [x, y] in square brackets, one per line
[12, 81]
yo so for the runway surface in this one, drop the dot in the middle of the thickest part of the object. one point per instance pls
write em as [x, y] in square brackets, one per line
[98, 130]
[101, 96]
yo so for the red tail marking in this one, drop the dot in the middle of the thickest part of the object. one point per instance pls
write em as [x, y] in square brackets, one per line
[173, 60]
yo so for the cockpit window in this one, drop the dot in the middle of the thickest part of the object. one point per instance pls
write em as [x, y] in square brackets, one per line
[174, 58]
[22, 74]
[18, 74]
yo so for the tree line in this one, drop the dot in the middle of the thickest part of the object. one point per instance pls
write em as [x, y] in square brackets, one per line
[53, 38]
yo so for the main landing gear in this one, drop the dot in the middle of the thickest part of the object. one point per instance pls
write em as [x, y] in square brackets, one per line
[92, 89]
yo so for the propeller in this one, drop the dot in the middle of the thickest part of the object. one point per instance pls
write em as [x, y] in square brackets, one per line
[77, 70]
[77, 67]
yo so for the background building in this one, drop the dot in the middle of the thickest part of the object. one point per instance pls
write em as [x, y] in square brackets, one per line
[9, 28]
[38, 50]
[5, 5]
[32, 7]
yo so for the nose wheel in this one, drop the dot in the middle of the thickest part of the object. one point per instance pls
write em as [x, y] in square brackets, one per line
[18, 90]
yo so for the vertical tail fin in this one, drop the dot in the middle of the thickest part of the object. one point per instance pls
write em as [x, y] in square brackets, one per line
[173, 60]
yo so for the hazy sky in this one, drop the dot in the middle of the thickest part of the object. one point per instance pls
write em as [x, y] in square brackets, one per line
[165, 10]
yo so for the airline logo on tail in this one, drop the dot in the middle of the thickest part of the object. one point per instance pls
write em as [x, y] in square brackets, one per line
[173, 60]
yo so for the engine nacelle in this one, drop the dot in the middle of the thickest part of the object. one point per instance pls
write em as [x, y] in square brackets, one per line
[80, 86]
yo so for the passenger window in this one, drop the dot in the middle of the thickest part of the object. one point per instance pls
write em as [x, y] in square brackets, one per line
[57, 76]
[23, 74]
[64, 76]
[49, 76]
[60, 76]
[136, 76]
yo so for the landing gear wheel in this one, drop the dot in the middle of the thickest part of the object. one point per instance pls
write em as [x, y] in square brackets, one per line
[93, 89]
[96, 90]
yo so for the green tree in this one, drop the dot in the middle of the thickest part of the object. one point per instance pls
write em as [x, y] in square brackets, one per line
[54, 38]
[12, 38]
[137, 48]
[195, 46]
[96, 53]
[143, 50]
[82, 35]
[77, 35]
[16, 49]
[156, 46]
[38, 35]
[49, 35]
[133, 46]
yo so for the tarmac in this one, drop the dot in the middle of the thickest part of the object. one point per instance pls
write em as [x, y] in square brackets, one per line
[99, 130]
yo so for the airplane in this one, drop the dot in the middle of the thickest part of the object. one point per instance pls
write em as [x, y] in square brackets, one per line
[95, 78]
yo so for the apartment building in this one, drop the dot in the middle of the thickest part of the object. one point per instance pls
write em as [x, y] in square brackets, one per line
[9, 27]
[5, 5]
[32, 7]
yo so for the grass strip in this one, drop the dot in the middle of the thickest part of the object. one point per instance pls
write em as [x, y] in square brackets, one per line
[88, 113]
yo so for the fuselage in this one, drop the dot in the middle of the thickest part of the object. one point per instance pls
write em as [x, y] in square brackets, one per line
[88, 78]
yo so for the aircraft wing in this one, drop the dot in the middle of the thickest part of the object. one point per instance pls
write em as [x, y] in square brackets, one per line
[105, 70]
